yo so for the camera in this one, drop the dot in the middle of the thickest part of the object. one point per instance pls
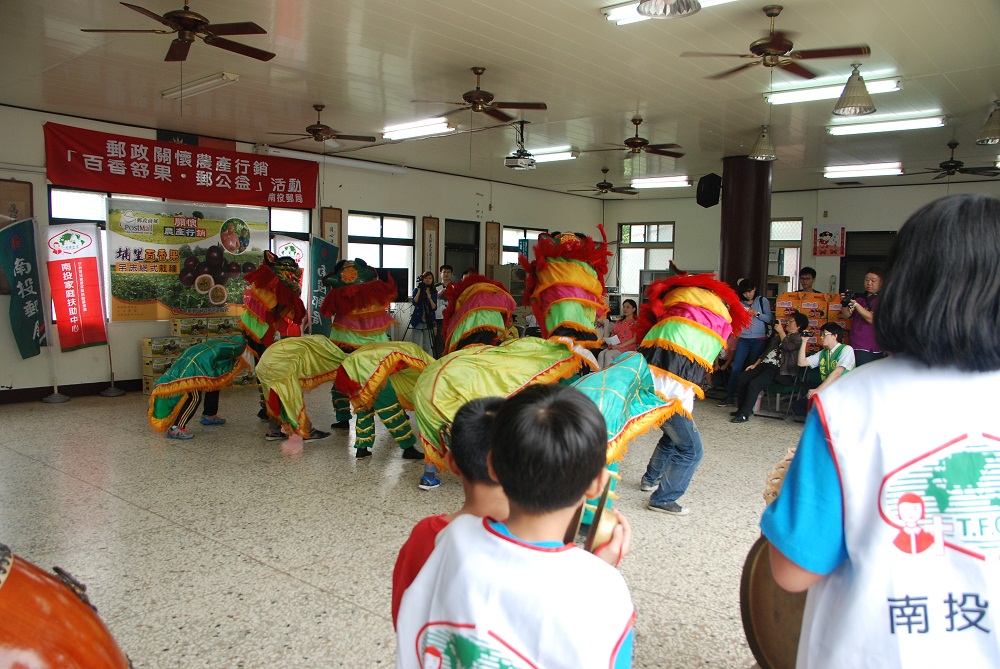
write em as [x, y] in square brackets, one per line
[846, 300]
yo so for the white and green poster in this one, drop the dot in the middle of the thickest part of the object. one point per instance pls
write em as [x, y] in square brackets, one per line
[170, 259]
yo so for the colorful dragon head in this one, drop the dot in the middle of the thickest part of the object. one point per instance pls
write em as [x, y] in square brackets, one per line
[565, 285]
[273, 300]
[479, 312]
[358, 303]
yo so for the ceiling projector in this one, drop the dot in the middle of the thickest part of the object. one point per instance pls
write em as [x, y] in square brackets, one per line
[520, 160]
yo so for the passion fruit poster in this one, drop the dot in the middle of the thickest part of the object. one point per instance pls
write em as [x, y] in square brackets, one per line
[175, 259]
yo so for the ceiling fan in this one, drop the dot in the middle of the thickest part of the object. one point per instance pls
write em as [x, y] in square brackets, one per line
[604, 187]
[479, 100]
[775, 50]
[635, 145]
[321, 132]
[188, 25]
[951, 167]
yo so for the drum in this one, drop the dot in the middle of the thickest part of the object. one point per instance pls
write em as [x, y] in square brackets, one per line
[47, 621]
[772, 617]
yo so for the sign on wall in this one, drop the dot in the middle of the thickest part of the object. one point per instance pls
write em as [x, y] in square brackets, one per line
[75, 285]
[297, 250]
[121, 164]
[172, 259]
[829, 242]
[19, 263]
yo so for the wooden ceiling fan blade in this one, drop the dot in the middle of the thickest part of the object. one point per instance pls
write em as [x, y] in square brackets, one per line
[519, 105]
[112, 30]
[289, 141]
[664, 152]
[980, 171]
[663, 146]
[150, 14]
[499, 115]
[729, 73]
[625, 190]
[708, 54]
[832, 52]
[941, 176]
[178, 50]
[241, 28]
[442, 102]
[583, 190]
[796, 69]
[353, 138]
[291, 134]
[236, 47]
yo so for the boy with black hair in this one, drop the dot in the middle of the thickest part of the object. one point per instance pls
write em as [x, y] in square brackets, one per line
[513, 592]
[466, 458]
[834, 358]
[807, 277]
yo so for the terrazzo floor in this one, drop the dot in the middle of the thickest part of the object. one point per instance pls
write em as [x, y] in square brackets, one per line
[221, 552]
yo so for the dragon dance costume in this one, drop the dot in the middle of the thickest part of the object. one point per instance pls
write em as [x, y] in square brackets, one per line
[377, 376]
[205, 367]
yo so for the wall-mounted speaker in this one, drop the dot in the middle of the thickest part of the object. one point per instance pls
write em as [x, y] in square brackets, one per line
[709, 188]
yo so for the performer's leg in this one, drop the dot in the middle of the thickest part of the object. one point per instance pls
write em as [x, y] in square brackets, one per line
[341, 408]
[364, 432]
[211, 403]
[679, 453]
[258, 348]
[187, 409]
[394, 418]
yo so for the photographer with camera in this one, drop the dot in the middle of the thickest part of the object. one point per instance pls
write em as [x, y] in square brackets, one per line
[422, 322]
[862, 308]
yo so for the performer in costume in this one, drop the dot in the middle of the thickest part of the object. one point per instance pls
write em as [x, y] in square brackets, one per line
[288, 368]
[202, 369]
[683, 326]
[358, 305]
[378, 375]
[272, 305]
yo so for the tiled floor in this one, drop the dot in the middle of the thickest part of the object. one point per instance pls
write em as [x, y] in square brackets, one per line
[220, 552]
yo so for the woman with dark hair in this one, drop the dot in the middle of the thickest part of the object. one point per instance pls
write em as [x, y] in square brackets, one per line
[862, 310]
[625, 330]
[906, 445]
[422, 323]
[777, 364]
[753, 338]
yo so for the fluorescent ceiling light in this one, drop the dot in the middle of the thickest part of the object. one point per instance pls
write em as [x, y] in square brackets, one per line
[199, 86]
[863, 170]
[552, 156]
[886, 126]
[424, 128]
[828, 92]
[662, 182]
[626, 13]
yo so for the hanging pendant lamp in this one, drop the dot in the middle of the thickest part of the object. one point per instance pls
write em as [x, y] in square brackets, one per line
[763, 148]
[855, 100]
[990, 134]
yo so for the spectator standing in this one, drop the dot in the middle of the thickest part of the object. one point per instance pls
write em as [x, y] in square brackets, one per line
[422, 322]
[752, 340]
[807, 277]
[862, 309]
[445, 273]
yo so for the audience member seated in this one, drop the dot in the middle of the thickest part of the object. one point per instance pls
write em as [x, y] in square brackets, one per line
[777, 364]
[834, 359]
[625, 330]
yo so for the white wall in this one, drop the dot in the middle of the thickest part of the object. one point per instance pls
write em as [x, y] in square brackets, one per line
[418, 194]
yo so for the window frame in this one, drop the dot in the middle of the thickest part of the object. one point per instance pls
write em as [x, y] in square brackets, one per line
[513, 249]
[647, 246]
[382, 241]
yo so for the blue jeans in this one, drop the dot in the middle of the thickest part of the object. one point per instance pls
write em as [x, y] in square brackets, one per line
[676, 457]
[747, 351]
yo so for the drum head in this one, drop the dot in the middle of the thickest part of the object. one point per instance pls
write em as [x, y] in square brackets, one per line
[772, 617]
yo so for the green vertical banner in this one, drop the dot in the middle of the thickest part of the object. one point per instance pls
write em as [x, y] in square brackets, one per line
[19, 263]
[324, 259]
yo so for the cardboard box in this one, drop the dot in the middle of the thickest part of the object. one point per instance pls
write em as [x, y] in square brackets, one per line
[835, 311]
[813, 309]
[222, 326]
[147, 385]
[188, 327]
[155, 367]
[160, 347]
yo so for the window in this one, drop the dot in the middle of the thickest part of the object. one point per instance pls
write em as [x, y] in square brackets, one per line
[290, 220]
[510, 239]
[785, 252]
[642, 246]
[382, 240]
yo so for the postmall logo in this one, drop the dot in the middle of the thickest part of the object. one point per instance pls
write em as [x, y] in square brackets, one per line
[291, 251]
[69, 242]
[948, 498]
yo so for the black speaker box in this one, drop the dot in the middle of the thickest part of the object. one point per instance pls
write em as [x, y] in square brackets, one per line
[709, 188]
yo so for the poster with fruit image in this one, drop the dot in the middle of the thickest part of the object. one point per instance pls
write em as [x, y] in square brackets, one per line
[175, 259]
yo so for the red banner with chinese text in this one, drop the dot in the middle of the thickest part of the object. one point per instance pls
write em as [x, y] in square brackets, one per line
[75, 285]
[120, 164]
